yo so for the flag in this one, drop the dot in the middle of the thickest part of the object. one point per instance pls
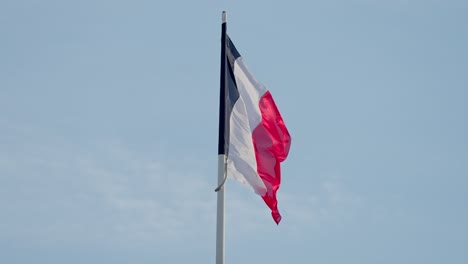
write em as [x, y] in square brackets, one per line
[253, 134]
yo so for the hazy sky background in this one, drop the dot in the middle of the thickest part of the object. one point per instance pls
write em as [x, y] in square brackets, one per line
[108, 131]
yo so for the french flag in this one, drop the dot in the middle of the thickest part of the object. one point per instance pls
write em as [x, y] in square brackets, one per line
[253, 136]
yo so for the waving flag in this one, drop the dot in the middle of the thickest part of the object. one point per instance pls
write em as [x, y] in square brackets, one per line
[256, 139]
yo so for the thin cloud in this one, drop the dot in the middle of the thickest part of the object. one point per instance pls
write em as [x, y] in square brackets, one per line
[64, 194]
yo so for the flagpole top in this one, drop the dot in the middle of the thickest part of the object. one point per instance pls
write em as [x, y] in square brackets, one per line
[224, 16]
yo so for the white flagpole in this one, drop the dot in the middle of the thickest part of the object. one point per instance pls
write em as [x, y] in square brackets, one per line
[222, 155]
[220, 211]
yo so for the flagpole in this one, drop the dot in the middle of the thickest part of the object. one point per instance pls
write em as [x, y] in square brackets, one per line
[222, 155]
[220, 212]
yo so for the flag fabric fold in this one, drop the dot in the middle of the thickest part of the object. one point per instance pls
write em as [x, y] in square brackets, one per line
[256, 139]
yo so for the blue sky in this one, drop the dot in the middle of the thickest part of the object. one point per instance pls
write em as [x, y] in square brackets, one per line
[108, 131]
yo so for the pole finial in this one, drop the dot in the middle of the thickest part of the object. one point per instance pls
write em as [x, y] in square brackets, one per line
[224, 16]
